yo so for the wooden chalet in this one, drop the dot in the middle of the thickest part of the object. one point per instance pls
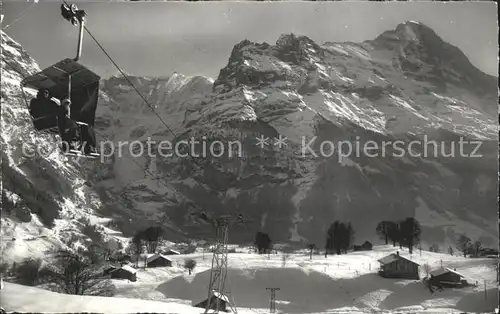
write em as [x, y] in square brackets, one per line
[447, 277]
[158, 260]
[124, 272]
[396, 266]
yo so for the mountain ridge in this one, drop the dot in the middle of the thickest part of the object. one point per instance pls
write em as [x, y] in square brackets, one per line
[297, 89]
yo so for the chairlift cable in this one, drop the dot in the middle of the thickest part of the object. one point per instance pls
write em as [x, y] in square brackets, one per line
[146, 171]
[125, 76]
[135, 88]
[130, 82]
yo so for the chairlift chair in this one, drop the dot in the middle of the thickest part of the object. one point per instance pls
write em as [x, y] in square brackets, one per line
[67, 80]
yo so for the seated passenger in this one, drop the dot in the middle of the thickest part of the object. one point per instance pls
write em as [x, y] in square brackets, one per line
[68, 129]
[43, 105]
[88, 140]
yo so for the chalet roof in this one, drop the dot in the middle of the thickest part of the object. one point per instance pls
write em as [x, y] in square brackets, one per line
[220, 296]
[392, 258]
[172, 251]
[127, 269]
[157, 256]
[444, 270]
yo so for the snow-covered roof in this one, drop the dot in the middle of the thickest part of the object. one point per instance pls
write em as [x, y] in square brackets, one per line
[156, 256]
[221, 296]
[215, 294]
[391, 258]
[173, 251]
[444, 270]
[128, 269]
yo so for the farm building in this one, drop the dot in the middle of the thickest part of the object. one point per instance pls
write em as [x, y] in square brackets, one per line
[490, 253]
[367, 246]
[158, 260]
[447, 277]
[396, 266]
[223, 301]
[171, 252]
[124, 272]
[108, 270]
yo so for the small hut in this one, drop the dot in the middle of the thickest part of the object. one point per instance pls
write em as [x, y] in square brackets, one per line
[124, 272]
[447, 277]
[216, 296]
[396, 266]
[367, 246]
[108, 270]
[158, 260]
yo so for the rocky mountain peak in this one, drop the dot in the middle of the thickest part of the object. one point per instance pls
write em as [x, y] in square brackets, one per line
[381, 90]
[423, 54]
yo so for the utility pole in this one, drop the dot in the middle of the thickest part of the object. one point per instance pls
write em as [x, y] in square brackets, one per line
[272, 307]
[498, 272]
[485, 291]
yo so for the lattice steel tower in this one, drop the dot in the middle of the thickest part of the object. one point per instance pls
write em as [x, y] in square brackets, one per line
[218, 273]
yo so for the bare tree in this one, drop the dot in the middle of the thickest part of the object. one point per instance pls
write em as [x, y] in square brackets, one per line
[110, 248]
[4, 269]
[311, 248]
[151, 236]
[434, 248]
[190, 264]
[427, 269]
[476, 248]
[206, 247]
[463, 244]
[284, 258]
[76, 274]
[135, 247]
[450, 250]
[28, 272]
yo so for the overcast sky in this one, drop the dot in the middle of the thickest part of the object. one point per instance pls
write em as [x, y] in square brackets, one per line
[197, 38]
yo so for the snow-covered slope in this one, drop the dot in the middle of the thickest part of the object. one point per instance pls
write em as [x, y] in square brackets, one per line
[29, 299]
[337, 284]
[45, 196]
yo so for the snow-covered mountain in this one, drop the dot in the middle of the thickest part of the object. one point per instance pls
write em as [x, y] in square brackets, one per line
[406, 84]
[46, 198]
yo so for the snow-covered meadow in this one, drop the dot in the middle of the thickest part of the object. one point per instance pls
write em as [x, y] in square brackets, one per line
[337, 284]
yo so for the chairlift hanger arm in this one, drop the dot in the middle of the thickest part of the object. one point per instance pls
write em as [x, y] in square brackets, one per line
[77, 17]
